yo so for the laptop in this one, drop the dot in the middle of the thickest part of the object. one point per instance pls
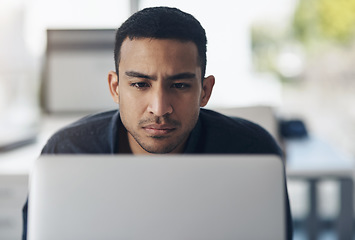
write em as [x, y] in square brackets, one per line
[164, 197]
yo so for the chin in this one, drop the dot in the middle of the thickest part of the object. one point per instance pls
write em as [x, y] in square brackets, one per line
[159, 149]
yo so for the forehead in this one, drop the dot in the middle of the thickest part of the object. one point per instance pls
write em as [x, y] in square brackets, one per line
[139, 50]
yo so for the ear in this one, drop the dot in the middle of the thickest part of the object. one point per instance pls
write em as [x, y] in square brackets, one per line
[207, 87]
[113, 85]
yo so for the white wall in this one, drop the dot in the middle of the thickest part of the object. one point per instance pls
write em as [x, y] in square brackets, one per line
[226, 22]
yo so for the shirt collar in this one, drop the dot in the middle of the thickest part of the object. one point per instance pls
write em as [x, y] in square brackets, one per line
[115, 124]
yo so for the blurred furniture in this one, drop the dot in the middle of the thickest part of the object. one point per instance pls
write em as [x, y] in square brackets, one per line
[264, 116]
[314, 160]
[308, 159]
[76, 67]
[13, 191]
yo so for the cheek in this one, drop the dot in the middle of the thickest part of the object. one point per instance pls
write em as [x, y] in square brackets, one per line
[130, 105]
[187, 105]
[128, 97]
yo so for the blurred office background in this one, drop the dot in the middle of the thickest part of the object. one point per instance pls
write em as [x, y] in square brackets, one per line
[294, 56]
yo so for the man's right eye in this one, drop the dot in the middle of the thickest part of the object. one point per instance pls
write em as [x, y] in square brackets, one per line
[139, 85]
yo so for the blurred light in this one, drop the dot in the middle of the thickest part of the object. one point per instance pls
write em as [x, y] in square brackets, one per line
[290, 64]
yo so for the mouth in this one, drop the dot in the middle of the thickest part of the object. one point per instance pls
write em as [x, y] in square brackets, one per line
[159, 129]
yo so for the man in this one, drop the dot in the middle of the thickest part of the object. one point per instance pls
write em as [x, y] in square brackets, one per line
[160, 85]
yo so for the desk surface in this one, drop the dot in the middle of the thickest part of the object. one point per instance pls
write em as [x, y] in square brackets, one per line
[313, 157]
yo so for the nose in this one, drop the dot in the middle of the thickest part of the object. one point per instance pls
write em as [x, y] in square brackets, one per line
[160, 103]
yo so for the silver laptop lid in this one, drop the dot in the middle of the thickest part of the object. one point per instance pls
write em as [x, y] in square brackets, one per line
[162, 197]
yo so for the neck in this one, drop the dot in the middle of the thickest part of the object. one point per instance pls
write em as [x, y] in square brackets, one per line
[123, 145]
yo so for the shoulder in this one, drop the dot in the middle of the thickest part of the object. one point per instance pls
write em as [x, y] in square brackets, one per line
[235, 135]
[87, 135]
[219, 122]
[88, 125]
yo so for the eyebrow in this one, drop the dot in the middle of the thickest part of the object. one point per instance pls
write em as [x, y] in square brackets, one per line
[184, 75]
[134, 74]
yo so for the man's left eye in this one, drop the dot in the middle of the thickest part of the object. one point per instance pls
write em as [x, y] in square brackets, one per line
[180, 85]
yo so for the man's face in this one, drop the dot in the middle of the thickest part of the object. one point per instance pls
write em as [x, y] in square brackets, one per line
[159, 93]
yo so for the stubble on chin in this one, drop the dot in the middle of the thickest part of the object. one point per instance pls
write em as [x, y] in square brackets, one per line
[157, 144]
[161, 144]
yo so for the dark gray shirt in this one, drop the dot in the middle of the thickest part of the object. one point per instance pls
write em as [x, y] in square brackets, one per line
[213, 133]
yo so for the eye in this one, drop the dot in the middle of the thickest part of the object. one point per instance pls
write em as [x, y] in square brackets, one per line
[139, 85]
[180, 85]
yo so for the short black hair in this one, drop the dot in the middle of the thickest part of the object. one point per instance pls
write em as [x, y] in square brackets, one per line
[163, 23]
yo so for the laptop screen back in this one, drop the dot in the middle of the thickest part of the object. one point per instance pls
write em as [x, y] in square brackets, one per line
[160, 197]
